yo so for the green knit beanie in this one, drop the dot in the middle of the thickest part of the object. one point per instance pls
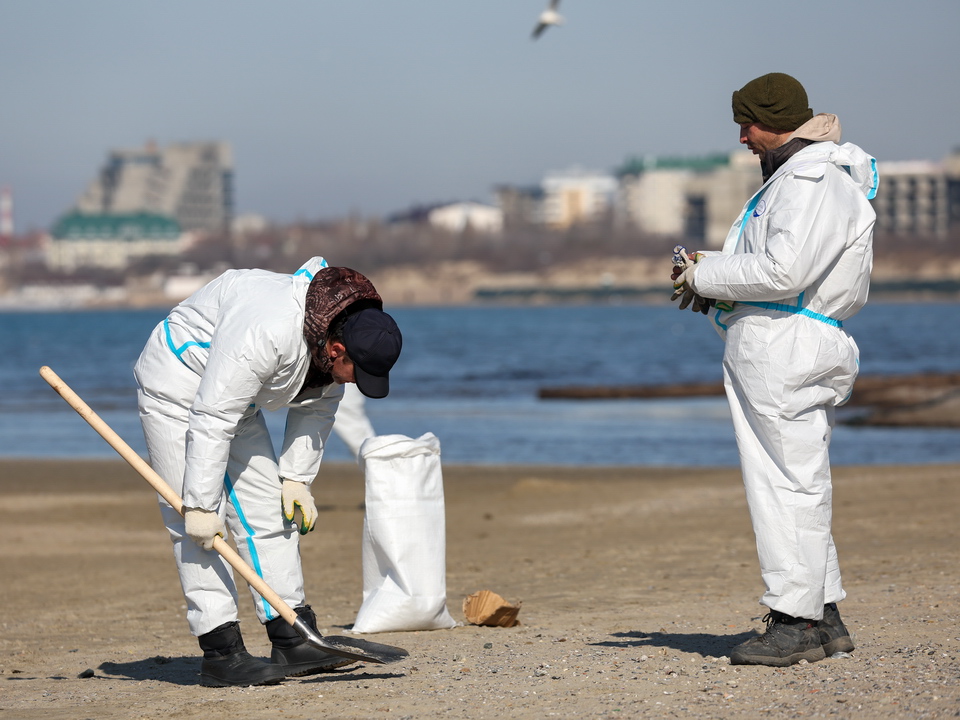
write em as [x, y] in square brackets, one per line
[775, 100]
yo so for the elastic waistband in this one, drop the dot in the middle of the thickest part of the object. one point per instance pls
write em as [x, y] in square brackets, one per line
[795, 310]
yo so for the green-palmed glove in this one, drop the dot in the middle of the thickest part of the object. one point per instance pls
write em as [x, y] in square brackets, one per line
[298, 505]
[202, 526]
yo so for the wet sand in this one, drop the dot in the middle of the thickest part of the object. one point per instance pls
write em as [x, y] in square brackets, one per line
[635, 584]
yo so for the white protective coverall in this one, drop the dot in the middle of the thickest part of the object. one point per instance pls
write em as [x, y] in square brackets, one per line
[233, 348]
[795, 265]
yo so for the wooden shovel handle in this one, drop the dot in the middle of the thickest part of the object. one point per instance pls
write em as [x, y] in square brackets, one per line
[165, 491]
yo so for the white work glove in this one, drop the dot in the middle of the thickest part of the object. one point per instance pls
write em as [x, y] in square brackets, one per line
[202, 526]
[297, 499]
[684, 267]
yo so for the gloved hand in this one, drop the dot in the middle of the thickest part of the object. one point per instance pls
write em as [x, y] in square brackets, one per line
[296, 498]
[202, 526]
[683, 269]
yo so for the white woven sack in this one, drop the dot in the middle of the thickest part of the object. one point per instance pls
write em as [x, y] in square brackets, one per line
[404, 536]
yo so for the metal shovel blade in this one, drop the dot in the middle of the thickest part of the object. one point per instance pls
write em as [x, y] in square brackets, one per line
[348, 647]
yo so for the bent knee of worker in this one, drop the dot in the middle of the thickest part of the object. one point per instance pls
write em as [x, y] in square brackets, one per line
[276, 533]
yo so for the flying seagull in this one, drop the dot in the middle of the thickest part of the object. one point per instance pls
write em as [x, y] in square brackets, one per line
[548, 17]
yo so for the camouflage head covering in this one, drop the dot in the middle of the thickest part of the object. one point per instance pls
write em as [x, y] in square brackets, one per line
[332, 291]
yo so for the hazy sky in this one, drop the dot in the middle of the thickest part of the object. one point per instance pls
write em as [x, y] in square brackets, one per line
[367, 107]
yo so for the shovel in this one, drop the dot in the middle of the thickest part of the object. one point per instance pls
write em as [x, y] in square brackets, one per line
[352, 648]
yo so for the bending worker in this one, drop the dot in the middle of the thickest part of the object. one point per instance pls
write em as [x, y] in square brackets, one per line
[249, 341]
[794, 266]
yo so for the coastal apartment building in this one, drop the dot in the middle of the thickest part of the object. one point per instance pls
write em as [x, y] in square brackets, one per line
[189, 182]
[694, 199]
[112, 240]
[576, 196]
[918, 198]
[563, 198]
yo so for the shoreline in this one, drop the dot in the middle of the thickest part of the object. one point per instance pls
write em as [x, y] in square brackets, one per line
[634, 583]
[522, 297]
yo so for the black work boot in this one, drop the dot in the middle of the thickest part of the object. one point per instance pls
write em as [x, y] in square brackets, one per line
[833, 633]
[295, 655]
[227, 663]
[786, 641]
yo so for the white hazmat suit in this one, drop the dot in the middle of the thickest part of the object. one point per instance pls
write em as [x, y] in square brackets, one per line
[795, 265]
[233, 348]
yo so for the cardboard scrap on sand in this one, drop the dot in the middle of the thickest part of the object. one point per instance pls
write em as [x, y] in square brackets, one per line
[488, 608]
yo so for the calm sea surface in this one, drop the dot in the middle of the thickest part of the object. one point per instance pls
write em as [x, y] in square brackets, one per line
[470, 375]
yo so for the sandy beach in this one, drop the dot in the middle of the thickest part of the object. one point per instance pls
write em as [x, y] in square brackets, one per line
[635, 583]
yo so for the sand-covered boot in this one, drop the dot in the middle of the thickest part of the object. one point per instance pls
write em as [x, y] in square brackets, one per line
[294, 654]
[786, 641]
[833, 633]
[226, 662]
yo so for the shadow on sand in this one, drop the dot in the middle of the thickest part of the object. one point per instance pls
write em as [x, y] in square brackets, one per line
[185, 671]
[702, 643]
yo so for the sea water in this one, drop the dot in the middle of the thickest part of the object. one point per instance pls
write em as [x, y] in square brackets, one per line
[471, 376]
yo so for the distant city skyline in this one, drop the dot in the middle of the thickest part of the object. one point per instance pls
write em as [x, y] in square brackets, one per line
[333, 109]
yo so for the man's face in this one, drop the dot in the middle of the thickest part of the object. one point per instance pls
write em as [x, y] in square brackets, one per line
[760, 138]
[342, 369]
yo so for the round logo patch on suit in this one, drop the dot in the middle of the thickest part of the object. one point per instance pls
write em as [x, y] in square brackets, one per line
[761, 206]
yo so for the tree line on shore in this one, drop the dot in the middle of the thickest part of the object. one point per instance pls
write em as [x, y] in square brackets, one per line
[370, 246]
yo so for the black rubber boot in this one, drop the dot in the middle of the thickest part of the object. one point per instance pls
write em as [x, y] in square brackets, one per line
[294, 654]
[833, 633]
[786, 641]
[226, 662]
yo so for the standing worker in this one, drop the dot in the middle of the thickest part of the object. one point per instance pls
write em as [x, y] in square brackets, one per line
[794, 266]
[351, 424]
[252, 340]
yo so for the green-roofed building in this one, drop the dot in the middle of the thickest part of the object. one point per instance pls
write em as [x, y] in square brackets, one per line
[651, 163]
[111, 240]
[120, 226]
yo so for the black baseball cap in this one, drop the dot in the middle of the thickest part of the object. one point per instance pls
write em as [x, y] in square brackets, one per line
[373, 342]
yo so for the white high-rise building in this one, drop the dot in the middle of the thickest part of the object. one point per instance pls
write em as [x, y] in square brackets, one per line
[575, 196]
